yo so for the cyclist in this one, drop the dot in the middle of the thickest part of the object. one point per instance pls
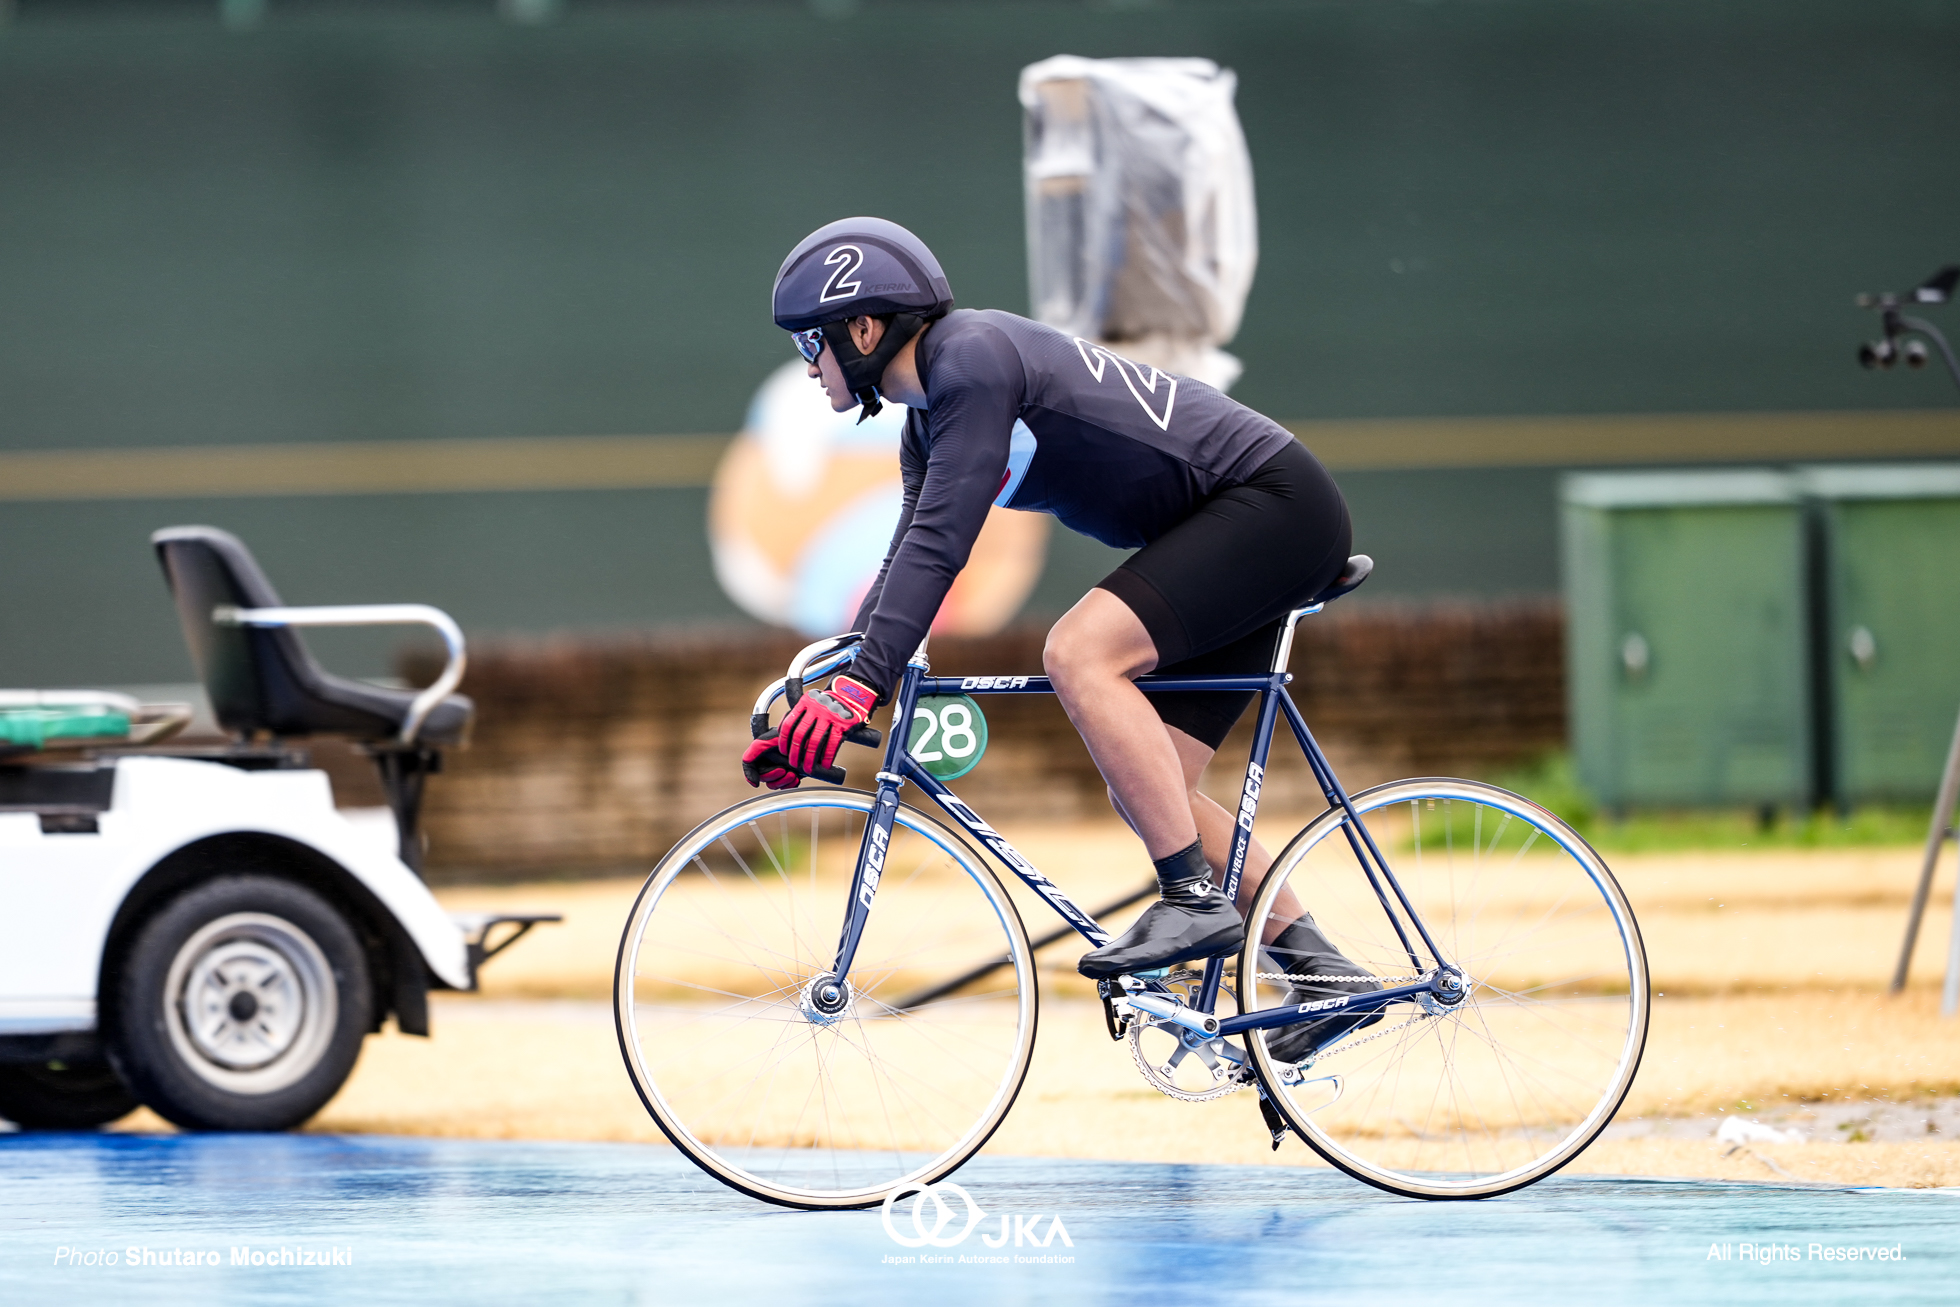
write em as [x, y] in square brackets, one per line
[1234, 523]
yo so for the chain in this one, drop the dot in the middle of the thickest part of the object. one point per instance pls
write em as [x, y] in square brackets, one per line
[1282, 975]
[1244, 1074]
[1345, 1045]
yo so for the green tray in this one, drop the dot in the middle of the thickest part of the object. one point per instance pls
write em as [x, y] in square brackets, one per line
[36, 728]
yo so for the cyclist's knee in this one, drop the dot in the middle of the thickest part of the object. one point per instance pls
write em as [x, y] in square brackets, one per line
[1099, 637]
[1067, 656]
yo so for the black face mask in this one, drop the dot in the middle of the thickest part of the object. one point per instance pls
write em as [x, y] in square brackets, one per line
[862, 372]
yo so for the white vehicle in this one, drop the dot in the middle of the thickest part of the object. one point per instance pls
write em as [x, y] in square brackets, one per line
[198, 929]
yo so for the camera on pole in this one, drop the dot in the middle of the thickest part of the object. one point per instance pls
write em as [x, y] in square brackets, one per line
[1904, 332]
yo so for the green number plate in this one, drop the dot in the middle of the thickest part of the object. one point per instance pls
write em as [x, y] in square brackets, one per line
[949, 733]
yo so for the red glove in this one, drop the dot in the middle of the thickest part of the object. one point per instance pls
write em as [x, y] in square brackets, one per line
[764, 764]
[810, 734]
[812, 731]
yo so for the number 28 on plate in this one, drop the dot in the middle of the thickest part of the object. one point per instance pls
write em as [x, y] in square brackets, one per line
[949, 733]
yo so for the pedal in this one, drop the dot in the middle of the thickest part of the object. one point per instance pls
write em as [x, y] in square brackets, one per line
[1118, 1026]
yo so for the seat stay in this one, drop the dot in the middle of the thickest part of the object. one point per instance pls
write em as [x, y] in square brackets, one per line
[1361, 841]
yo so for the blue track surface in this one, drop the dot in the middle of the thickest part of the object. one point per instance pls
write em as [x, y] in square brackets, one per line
[431, 1221]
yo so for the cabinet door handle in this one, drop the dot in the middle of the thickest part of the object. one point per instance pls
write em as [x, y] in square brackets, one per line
[1863, 646]
[1635, 656]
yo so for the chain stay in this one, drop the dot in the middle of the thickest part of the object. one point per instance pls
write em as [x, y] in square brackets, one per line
[1346, 1045]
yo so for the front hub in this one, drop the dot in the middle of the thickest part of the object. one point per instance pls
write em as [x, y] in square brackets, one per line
[826, 999]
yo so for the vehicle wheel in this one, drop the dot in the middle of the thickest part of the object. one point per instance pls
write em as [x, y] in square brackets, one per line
[241, 1006]
[724, 1027]
[1509, 1082]
[63, 1096]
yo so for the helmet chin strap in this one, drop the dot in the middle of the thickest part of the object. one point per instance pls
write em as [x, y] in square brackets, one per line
[863, 372]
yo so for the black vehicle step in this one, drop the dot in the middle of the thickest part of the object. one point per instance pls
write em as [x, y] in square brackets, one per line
[476, 928]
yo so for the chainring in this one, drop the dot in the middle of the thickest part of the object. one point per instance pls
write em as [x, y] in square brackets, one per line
[1194, 1071]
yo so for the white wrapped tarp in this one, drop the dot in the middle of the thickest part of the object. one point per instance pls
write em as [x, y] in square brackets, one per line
[1142, 232]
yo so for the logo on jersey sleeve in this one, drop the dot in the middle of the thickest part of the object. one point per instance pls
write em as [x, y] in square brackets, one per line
[1020, 453]
[1144, 384]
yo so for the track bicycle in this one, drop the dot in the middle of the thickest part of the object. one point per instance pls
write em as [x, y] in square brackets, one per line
[825, 994]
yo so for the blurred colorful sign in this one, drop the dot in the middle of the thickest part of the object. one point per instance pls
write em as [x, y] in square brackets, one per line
[804, 505]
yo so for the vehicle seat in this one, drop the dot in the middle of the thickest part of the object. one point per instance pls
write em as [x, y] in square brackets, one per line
[261, 680]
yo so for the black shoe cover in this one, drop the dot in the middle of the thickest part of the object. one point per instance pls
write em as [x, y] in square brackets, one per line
[1197, 926]
[1303, 950]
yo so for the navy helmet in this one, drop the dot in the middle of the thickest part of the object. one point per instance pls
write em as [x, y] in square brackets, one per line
[859, 266]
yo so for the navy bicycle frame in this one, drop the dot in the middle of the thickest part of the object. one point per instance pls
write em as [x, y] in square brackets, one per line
[899, 767]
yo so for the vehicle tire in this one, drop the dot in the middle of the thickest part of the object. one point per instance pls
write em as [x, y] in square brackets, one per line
[63, 1096]
[736, 1058]
[1489, 1092]
[241, 1005]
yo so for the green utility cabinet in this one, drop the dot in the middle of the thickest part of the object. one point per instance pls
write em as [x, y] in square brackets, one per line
[1889, 629]
[1686, 666]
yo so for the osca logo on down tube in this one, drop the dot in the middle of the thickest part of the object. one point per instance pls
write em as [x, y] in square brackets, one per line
[938, 1222]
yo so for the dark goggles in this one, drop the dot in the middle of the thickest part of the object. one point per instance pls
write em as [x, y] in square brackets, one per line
[808, 343]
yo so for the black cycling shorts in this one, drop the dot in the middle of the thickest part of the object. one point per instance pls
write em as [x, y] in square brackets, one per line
[1213, 590]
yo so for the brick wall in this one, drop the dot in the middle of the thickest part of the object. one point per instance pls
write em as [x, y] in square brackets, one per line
[595, 755]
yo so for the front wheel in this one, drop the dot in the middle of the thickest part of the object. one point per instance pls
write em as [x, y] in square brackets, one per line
[782, 1086]
[241, 1006]
[1504, 1085]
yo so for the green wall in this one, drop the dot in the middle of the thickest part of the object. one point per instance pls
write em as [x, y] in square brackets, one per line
[416, 221]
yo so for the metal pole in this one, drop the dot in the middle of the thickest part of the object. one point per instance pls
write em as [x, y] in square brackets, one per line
[1935, 837]
[1950, 995]
[1926, 328]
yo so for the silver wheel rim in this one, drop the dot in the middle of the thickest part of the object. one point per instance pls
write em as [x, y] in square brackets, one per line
[1399, 1104]
[250, 1003]
[865, 1112]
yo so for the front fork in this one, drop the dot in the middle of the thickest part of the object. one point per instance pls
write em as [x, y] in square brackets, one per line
[830, 993]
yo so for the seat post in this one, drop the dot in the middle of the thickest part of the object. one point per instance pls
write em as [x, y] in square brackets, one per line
[1284, 653]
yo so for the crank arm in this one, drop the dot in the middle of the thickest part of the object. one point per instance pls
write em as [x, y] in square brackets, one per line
[1167, 1009]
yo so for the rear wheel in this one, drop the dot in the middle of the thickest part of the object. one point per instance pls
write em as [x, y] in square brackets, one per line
[772, 1080]
[1506, 1085]
[63, 1095]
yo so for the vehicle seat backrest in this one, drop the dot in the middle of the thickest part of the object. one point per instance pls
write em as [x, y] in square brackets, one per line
[259, 679]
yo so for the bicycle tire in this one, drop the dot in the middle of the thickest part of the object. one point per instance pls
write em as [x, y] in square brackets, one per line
[1509, 1085]
[744, 1076]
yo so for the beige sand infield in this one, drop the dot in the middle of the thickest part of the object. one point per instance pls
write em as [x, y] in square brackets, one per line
[1773, 967]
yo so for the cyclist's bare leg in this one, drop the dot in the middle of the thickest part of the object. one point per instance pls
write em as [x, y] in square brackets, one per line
[1215, 826]
[1094, 654]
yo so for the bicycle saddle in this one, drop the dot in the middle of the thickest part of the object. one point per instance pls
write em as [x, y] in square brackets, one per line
[1357, 570]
